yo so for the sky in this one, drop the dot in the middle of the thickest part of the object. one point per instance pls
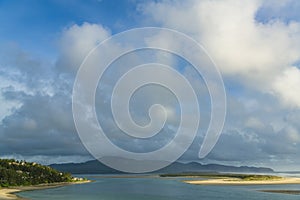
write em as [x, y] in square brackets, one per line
[254, 43]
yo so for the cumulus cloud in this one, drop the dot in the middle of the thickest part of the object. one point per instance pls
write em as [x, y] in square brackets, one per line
[245, 49]
[43, 121]
[76, 42]
[36, 120]
[286, 86]
[258, 60]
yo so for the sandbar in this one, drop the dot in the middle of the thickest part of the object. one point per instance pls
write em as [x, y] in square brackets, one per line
[237, 181]
[10, 192]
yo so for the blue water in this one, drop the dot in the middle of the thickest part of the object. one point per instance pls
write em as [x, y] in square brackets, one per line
[151, 188]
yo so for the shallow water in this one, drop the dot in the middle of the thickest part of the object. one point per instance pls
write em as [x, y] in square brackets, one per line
[152, 188]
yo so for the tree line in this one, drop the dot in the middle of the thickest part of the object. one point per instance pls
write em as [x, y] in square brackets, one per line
[21, 173]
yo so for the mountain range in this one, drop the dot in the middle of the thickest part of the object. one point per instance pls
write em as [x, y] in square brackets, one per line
[96, 167]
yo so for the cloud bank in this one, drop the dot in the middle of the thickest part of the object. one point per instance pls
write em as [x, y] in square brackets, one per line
[258, 56]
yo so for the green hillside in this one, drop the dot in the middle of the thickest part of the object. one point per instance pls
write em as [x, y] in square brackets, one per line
[21, 173]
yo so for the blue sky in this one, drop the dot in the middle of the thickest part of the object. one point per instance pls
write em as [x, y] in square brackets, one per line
[36, 25]
[256, 45]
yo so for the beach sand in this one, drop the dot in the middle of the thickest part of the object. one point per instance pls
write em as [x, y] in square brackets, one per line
[237, 181]
[10, 193]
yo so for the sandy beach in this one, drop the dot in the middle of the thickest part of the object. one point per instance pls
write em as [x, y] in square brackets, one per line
[10, 193]
[237, 181]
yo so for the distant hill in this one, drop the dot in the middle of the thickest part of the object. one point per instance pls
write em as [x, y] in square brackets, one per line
[21, 173]
[198, 167]
[289, 172]
[96, 167]
[89, 167]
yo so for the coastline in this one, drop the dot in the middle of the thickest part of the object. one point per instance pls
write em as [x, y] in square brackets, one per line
[237, 181]
[294, 192]
[10, 192]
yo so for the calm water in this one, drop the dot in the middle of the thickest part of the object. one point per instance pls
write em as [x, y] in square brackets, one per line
[155, 189]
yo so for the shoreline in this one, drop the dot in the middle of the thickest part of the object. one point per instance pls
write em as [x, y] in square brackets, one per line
[10, 193]
[294, 192]
[236, 181]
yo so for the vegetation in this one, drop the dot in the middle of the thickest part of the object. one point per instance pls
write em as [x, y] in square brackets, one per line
[21, 173]
[296, 192]
[244, 177]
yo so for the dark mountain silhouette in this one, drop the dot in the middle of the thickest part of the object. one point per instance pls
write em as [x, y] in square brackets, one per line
[96, 167]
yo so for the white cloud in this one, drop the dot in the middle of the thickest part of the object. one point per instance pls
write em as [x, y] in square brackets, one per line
[77, 41]
[244, 49]
[258, 55]
[293, 134]
[255, 123]
[286, 86]
[19, 72]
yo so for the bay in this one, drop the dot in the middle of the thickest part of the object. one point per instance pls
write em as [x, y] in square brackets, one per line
[155, 188]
